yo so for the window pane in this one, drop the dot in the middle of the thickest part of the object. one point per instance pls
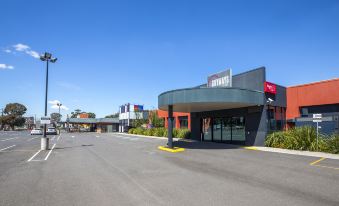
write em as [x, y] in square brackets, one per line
[217, 130]
[238, 129]
[206, 129]
[226, 129]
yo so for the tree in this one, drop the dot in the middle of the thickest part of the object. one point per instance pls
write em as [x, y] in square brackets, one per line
[13, 115]
[115, 115]
[56, 117]
[91, 115]
[75, 113]
[155, 120]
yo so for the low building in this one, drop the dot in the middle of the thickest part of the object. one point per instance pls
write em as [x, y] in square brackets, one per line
[129, 113]
[100, 125]
[181, 120]
[314, 98]
[237, 109]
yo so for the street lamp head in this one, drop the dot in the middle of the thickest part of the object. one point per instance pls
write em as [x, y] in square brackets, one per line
[42, 58]
[48, 55]
[53, 60]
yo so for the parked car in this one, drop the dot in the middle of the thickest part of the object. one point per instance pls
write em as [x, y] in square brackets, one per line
[51, 131]
[36, 131]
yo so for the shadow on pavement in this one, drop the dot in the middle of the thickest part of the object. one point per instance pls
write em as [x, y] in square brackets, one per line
[204, 145]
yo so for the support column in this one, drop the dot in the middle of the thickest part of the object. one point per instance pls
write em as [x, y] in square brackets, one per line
[170, 126]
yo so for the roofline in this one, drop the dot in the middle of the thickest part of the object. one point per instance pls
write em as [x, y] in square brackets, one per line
[313, 83]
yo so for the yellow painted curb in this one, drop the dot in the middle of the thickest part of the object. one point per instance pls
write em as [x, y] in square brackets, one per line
[173, 150]
[251, 148]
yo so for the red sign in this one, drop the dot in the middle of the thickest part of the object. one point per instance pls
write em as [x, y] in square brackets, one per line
[270, 88]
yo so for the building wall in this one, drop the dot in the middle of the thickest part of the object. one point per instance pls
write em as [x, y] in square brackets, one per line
[176, 115]
[318, 93]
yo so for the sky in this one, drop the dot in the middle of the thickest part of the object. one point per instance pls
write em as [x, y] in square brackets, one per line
[114, 52]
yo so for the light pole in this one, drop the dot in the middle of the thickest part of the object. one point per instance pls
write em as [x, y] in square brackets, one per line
[59, 105]
[47, 57]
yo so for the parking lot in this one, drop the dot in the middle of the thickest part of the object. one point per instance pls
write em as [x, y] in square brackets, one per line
[119, 169]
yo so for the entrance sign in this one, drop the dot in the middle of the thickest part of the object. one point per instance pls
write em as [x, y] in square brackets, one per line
[317, 118]
[45, 120]
[270, 88]
[221, 79]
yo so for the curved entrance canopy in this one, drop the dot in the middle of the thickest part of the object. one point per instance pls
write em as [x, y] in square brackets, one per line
[208, 99]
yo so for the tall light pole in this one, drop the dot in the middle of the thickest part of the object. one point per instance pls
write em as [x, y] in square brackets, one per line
[59, 105]
[47, 57]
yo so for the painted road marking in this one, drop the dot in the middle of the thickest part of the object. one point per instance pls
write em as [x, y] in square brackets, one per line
[50, 152]
[9, 139]
[315, 163]
[58, 138]
[7, 148]
[97, 136]
[72, 136]
[53, 137]
[32, 139]
[30, 159]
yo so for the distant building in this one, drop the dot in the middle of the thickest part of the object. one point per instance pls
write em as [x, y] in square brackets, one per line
[83, 115]
[129, 113]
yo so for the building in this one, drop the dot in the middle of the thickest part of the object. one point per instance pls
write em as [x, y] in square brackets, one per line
[181, 119]
[99, 125]
[314, 98]
[129, 113]
[237, 109]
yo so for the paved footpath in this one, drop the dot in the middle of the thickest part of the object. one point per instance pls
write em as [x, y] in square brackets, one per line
[115, 169]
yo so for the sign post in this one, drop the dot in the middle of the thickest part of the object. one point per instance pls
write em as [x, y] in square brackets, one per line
[317, 118]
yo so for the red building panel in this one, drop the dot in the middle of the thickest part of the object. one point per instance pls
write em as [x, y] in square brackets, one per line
[317, 93]
[176, 115]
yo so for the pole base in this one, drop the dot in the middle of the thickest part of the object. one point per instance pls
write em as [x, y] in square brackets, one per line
[44, 143]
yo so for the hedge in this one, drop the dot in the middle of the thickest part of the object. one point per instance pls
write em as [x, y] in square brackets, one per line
[160, 132]
[303, 138]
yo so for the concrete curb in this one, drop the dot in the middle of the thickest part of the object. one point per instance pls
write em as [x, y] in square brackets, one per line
[152, 137]
[295, 152]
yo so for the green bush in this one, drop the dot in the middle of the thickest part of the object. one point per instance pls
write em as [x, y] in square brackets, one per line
[183, 133]
[303, 138]
[131, 131]
[160, 132]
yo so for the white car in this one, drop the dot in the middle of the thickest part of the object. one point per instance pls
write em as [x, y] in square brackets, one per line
[51, 130]
[36, 131]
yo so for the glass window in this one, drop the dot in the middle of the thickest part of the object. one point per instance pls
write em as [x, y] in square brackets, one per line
[217, 129]
[226, 129]
[183, 121]
[206, 129]
[238, 129]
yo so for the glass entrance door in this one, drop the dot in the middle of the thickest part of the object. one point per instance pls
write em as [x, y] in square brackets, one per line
[217, 125]
[207, 129]
[227, 130]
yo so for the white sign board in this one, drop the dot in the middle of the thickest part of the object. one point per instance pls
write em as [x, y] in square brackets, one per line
[317, 120]
[45, 120]
[221, 79]
[317, 116]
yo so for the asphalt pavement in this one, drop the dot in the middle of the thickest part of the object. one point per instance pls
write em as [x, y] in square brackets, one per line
[116, 169]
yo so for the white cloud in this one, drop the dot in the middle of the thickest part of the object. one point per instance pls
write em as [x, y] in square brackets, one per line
[5, 66]
[33, 54]
[21, 47]
[55, 106]
[7, 51]
[25, 48]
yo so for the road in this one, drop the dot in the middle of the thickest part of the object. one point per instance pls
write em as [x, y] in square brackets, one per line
[116, 169]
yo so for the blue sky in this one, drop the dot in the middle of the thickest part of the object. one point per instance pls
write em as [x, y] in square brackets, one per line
[114, 52]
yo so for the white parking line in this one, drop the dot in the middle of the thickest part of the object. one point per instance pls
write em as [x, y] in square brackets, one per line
[32, 139]
[9, 139]
[7, 148]
[50, 152]
[58, 138]
[30, 159]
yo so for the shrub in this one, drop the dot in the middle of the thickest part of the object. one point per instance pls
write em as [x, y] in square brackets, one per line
[131, 131]
[139, 130]
[183, 133]
[159, 132]
[303, 138]
[149, 132]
